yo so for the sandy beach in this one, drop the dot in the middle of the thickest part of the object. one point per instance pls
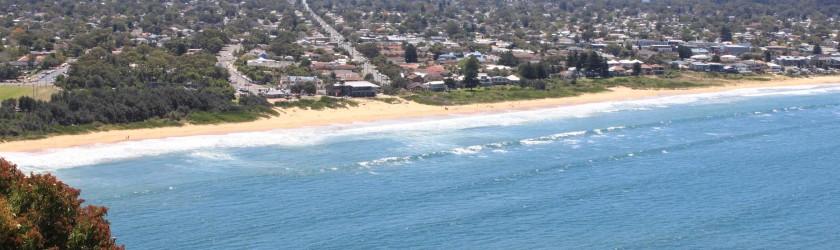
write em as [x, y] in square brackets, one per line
[371, 110]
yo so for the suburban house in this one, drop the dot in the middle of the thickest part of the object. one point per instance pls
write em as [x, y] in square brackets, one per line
[662, 48]
[792, 61]
[755, 65]
[774, 68]
[504, 80]
[268, 63]
[706, 67]
[436, 86]
[320, 66]
[484, 80]
[825, 61]
[617, 71]
[447, 58]
[658, 69]
[731, 49]
[436, 72]
[346, 75]
[646, 70]
[300, 80]
[353, 89]
[728, 58]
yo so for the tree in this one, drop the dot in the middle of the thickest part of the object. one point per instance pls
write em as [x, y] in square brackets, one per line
[768, 57]
[817, 50]
[369, 50]
[614, 49]
[452, 28]
[508, 59]
[450, 83]
[528, 71]
[8, 72]
[716, 58]
[410, 53]
[471, 73]
[215, 45]
[40, 212]
[725, 33]
[684, 52]
[637, 69]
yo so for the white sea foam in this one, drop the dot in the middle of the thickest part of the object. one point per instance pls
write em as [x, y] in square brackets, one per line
[87, 155]
[381, 161]
[534, 142]
[467, 150]
[209, 155]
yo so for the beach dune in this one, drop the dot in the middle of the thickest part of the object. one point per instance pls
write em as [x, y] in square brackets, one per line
[371, 110]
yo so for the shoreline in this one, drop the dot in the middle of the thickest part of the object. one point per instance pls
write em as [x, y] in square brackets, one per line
[371, 110]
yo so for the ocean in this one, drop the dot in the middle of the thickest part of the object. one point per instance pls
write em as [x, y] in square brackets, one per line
[750, 168]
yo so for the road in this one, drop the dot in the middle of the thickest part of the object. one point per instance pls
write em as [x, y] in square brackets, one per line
[237, 80]
[367, 67]
[42, 78]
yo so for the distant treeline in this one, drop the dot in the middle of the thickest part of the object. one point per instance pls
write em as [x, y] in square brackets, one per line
[27, 116]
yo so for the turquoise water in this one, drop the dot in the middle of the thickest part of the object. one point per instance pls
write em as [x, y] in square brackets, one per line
[753, 168]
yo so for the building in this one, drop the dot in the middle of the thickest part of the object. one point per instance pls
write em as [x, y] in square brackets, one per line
[299, 80]
[435, 86]
[268, 63]
[484, 80]
[353, 89]
[662, 48]
[792, 61]
[731, 49]
[446, 58]
[658, 69]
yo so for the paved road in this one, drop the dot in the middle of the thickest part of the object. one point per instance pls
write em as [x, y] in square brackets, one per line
[367, 67]
[239, 81]
[44, 77]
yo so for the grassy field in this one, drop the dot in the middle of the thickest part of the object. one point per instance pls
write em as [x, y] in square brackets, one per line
[41, 93]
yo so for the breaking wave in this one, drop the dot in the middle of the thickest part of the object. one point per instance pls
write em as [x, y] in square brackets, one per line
[55, 159]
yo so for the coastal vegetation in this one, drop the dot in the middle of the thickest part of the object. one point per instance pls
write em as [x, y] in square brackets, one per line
[145, 66]
[322, 103]
[538, 90]
[40, 212]
[75, 111]
[670, 80]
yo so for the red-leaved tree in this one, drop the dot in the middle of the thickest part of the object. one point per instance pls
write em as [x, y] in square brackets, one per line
[40, 212]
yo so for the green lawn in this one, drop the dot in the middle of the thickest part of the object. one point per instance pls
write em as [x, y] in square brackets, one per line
[41, 93]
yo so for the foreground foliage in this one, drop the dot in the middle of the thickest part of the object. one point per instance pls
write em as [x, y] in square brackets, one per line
[40, 212]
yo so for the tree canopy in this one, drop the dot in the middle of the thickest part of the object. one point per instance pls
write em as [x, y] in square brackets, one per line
[410, 53]
[471, 72]
[40, 212]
